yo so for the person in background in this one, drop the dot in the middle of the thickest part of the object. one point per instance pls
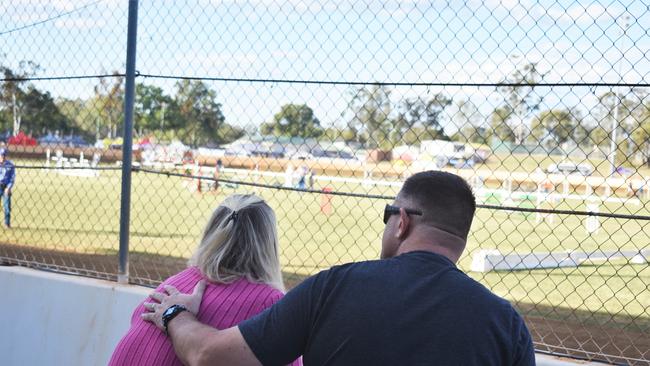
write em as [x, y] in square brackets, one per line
[217, 173]
[302, 177]
[411, 307]
[311, 178]
[7, 180]
[239, 258]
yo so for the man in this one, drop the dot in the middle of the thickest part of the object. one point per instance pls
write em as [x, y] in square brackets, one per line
[411, 307]
[7, 179]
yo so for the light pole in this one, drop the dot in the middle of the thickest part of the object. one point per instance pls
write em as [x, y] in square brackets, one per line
[615, 120]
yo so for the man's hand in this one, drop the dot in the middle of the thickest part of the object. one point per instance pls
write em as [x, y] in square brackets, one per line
[155, 310]
[7, 191]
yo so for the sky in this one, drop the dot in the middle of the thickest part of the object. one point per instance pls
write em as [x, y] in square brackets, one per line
[409, 41]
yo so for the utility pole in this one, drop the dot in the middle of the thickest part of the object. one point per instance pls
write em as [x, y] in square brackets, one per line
[617, 120]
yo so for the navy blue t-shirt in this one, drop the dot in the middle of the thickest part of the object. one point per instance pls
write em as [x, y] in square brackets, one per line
[414, 309]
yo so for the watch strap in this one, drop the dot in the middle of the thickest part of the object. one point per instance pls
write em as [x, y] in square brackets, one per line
[171, 313]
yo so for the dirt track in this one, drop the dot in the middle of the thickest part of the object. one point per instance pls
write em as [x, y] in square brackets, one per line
[565, 337]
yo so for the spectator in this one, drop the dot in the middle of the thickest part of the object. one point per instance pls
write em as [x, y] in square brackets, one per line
[411, 307]
[311, 178]
[302, 178]
[217, 173]
[7, 180]
[238, 255]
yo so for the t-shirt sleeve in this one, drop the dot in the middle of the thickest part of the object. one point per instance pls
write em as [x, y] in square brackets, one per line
[524, 350]
[279, 334]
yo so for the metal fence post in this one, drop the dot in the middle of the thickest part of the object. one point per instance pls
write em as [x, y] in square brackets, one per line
[129, 94]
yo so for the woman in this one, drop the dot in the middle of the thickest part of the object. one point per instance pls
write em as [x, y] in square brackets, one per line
[238, 256]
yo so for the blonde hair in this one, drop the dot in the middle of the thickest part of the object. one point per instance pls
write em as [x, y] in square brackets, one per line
[240, 240]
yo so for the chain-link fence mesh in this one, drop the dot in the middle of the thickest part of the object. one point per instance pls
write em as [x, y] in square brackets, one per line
[323, 109]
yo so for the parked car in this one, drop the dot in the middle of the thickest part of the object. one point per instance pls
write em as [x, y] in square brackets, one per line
[71, 141]
[333, 154]
[567, 167]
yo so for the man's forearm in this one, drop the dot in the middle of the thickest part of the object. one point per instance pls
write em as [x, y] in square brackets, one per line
[186, 334]
[199, 344]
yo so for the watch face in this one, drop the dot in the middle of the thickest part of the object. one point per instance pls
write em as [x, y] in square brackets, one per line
[169, 311]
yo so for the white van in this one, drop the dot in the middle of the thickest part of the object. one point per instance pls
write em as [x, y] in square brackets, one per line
[567, 167]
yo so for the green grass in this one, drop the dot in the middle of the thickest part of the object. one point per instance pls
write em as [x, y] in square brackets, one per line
[82, 214]
[529, 163]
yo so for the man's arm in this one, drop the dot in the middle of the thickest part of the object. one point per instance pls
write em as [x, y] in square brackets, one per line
[196, 343]
[199, 344]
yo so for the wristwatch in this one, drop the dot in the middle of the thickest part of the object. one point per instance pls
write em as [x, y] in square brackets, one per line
[171, 313]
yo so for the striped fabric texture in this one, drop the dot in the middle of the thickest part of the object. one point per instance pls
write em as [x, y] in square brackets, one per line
[223, 306]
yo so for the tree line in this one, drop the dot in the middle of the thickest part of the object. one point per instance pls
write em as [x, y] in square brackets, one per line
[372, 119]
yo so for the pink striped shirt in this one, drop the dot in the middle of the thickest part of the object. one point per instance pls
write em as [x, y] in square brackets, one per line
[223, 306]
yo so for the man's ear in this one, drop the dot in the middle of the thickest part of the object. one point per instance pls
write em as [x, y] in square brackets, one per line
[404, 224]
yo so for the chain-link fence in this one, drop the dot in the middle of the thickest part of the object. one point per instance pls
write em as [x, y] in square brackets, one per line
[323, 109]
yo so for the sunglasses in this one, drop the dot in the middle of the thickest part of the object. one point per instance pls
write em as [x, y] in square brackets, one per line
[390, 210]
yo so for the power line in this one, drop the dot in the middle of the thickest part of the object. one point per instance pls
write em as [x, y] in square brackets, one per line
[72, 77]
[389, 83]
[49, 19]
[332, 82]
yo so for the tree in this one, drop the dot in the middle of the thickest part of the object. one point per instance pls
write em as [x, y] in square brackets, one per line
[153, 109]
[337, 133]
[520, 98]
[554, 127]
[108, 102]
[419, 119]
[621, 118]
[500, 127]
[200, 114]
[13, 89]
[80, 117]
[641, 135]
[371, 119]
[294, 120]
[40, 114]
[468, 119]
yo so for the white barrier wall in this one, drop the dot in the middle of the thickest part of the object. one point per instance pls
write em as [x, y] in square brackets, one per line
[55, 319]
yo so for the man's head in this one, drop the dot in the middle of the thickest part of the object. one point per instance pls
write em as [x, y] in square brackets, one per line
[3, 154]
[446, 204]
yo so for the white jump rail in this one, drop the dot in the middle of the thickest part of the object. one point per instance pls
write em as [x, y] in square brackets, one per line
[486, 260]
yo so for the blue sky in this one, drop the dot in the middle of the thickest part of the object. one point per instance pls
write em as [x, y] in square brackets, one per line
[393, 41]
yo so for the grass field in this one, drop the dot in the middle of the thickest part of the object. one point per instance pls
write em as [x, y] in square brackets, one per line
[67, 213]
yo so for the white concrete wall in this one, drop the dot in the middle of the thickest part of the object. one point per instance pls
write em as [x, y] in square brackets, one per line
[55, 319]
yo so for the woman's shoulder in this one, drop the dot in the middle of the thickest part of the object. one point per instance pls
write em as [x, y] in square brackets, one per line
[185, 278]
[256, 288]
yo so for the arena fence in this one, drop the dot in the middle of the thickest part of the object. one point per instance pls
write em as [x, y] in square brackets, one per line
[323, 109]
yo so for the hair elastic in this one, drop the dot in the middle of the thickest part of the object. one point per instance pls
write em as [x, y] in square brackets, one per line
[233, 216]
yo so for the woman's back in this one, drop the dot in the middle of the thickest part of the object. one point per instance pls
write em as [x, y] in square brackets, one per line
[223, 306]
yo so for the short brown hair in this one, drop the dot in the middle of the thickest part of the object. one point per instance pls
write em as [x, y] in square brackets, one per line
[446, 200]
